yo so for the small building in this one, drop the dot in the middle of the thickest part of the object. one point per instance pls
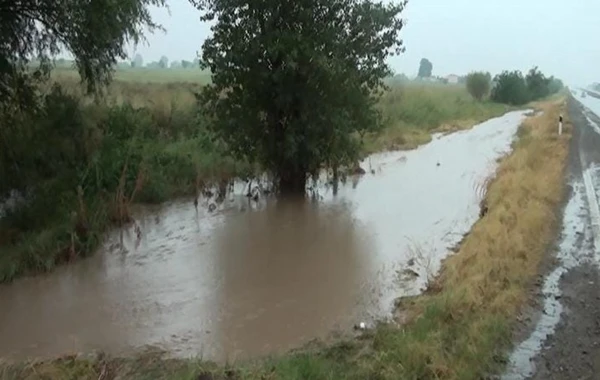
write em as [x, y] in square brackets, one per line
[452, 79]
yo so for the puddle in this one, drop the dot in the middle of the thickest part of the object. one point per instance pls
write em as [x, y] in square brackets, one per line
[255, 278]
[570, 254]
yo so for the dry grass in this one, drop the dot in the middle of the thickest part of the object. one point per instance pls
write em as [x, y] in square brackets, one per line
[505, 247]
[485, 284]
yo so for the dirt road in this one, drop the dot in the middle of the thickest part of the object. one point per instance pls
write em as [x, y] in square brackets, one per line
[565, 342]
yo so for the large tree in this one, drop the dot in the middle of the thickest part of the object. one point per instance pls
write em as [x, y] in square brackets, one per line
[95, 32]
[294, 81]
[537, 83]
[425, 68]
[510, 88]
[479, 84]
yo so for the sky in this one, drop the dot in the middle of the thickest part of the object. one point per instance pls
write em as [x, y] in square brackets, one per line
[457, 36]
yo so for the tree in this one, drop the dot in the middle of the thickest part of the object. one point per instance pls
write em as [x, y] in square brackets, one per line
[510, 88]
[555, 85]
[425, 68]
[537, 84]
[138, 61]
[294, 81]
[95, 32]
[164, 62]
[186, 64]
[478, 84]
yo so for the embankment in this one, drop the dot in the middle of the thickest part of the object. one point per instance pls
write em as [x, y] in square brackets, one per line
[459, 329]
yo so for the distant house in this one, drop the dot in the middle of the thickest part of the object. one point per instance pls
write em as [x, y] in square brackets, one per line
[452, 79]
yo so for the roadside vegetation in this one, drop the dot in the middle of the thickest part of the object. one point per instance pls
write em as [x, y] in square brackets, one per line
[459, 329]
[511, 87]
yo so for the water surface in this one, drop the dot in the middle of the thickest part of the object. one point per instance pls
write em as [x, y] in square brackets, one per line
[254, 278]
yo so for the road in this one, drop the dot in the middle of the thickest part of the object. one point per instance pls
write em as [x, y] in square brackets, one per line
[565, 342]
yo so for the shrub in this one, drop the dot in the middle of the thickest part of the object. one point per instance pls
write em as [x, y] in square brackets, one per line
[478, 84]
[510, 88]
[537, 84]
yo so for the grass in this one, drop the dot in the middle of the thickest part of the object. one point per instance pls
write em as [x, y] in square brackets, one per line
[145, 75]
[459, 329]
[415, 111]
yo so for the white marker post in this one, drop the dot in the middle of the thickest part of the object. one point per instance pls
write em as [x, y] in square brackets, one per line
[560, 121]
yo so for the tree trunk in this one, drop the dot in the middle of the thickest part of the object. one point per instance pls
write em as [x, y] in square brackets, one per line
[292, 182]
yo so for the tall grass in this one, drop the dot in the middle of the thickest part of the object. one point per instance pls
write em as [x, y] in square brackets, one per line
[145, 75]
[414, 111]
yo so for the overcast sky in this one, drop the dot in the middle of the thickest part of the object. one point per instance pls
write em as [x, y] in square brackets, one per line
[457, 36]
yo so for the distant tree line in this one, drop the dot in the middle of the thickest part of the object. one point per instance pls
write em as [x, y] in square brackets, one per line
[163, 63]
[512, 87]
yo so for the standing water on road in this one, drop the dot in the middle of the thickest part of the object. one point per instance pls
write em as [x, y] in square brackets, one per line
[253, 278]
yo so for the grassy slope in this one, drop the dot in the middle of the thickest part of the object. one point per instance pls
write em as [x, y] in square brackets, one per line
[415, 111]
[460, 329]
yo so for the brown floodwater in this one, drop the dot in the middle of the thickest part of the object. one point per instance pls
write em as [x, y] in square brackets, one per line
[260, 277]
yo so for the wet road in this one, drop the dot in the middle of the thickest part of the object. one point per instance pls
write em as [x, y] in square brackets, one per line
[254, 278]
[565, 343]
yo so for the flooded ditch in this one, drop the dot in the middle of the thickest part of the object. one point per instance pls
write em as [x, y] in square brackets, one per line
[255, 277]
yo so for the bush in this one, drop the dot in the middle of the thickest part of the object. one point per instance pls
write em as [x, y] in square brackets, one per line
[478, 84]
[81, 164]
[510, 88]
[537, 84]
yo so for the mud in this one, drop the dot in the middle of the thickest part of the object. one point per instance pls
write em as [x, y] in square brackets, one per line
[252, 276]
[565, 342]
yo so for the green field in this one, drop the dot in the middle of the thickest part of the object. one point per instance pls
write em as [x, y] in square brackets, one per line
[145, 75]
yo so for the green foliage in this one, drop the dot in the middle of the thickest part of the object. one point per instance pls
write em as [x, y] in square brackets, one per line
[510, 88]
[71, 159]
[97, 33]
[537, 84]
[555, 85]
[425, 68]
[292, 81]
[478, 84]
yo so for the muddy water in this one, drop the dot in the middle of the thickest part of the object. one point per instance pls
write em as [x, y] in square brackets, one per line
[253, 278]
